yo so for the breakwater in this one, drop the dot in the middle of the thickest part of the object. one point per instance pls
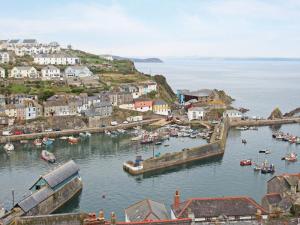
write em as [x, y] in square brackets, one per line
[265, 122]
[55, 134]
[215, 148]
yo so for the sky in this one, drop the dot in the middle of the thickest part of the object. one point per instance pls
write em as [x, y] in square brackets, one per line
[159, 28]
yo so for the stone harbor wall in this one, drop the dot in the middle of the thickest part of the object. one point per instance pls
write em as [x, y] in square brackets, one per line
[56, 219]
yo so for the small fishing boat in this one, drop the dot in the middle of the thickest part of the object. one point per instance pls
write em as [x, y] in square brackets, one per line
[48, 156]
[46, 141]
[8, 147]
[85, 134]
[63, 138]
[73, 140]
[256, 167]
[244, 141]
[138, 138]
[158, 143]
[38, 142]
[24, 141]
[193, 136]
[266, 151]
[292, 157]
[166, 145]
[266, 168]
[253, 128]
[246, 162]
[147, 141]
[107, 132]
[242, 128]
[121, 131]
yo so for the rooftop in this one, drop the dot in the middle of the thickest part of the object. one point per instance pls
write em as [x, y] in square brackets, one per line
[198, 93]
[146, 210]
[215, 207]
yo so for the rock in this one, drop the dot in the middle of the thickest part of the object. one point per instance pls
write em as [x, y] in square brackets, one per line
[276, 114]
[292, 113]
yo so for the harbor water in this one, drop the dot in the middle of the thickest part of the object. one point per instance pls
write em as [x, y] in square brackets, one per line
[260, 86]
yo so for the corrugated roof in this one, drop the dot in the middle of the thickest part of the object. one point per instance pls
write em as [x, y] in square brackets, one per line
[33, 200]
[147, 210]
[61, 173]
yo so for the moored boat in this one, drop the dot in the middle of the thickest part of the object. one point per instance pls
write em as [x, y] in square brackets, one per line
[8, 147]
[73, 140]
[38, 142]
[24, 141]
[246, 162]
[266, 168]
[48, 156]
[46, 141]
[292, 157]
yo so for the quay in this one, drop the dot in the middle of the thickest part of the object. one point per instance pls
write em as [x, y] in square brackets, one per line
[265, 122]
[55, 134]
[215, 148]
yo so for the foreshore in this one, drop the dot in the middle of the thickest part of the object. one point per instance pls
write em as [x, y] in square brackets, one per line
[54, 134]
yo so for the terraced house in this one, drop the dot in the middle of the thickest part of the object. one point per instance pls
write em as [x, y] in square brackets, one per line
[21, 72]
[2, 72]
[4, 57]
[56, 59]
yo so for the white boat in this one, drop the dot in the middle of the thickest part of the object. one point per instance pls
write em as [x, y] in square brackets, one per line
[63, 138]
[138, 138]
[48, 156]
[8, 147]
[85, 134]
[107, 132]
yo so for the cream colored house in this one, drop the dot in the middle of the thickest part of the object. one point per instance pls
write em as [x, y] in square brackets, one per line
[4, 57]
[50, 72]
[2, 72]
[56, 59]
[20, 72]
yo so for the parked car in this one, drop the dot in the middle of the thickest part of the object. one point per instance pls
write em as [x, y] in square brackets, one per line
[18, 132]
[57, 129]
[48, 130]
[6, 133]
[114, 123]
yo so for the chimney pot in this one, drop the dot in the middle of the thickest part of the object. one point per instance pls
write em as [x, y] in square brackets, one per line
[113, 218]
[176, 199]
[101, 216]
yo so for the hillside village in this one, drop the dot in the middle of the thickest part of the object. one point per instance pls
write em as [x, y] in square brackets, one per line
[42, 81]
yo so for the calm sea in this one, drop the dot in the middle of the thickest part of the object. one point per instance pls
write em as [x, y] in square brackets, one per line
[259, 85]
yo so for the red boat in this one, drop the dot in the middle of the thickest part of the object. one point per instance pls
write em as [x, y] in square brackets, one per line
[246, 162]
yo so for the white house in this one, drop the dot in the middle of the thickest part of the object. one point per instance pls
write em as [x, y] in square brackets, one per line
[23, 72]
[56, 59]
[196, 113]
[77, 71]
[4, 57]
[32, 109]
[232, 114]
[50, 72]
[2, 72]
[147, 87]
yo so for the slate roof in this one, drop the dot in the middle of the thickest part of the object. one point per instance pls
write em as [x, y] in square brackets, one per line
[215, 207]
[61, 173]
[33, 200]
[50, 67]
[147, 210]
[29, 41]
[186, 221]
[159, 102]
[273, 198]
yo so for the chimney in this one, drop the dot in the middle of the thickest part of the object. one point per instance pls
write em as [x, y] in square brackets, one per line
[176, 199]
[101, 218]
[113, 218]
